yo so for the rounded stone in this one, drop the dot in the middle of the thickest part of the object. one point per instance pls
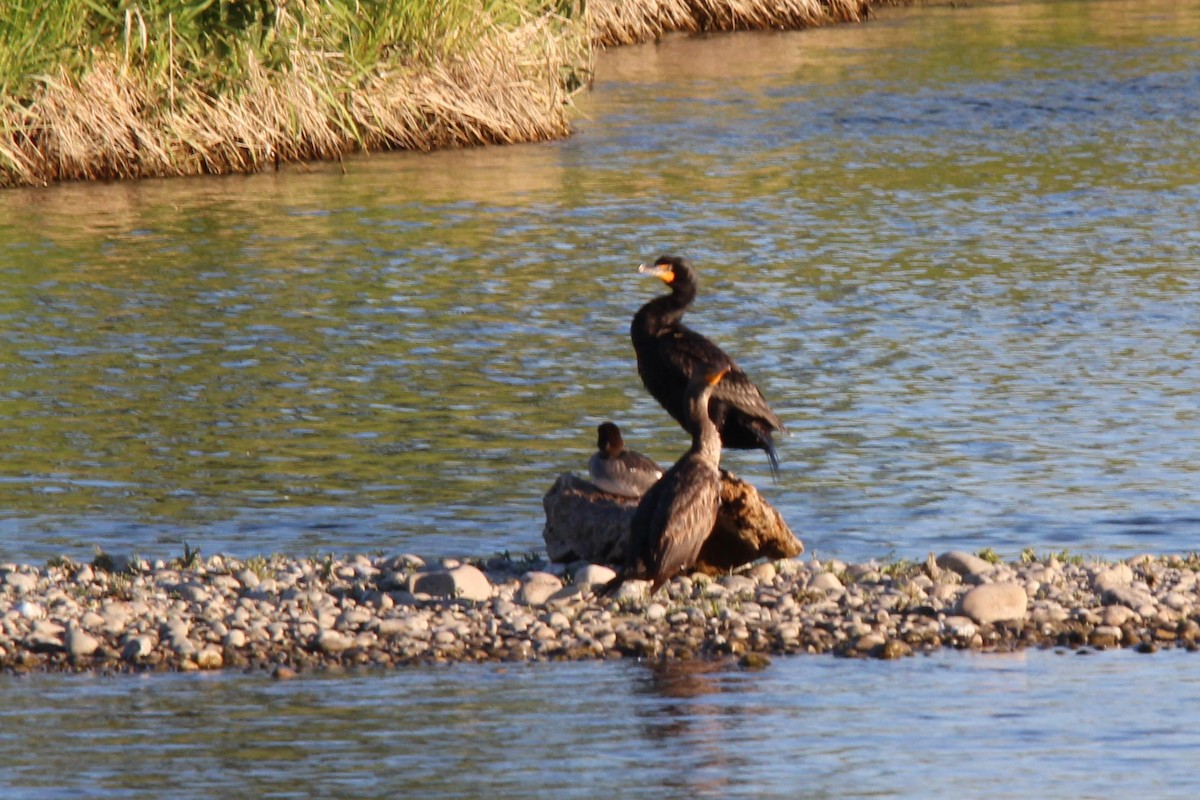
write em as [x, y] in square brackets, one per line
[330, 641]
[210, 658]
[465, 582]
[994, 602]
[964, 563]
[595, 573]
[537, 587]
[826, 582]
[20, 582]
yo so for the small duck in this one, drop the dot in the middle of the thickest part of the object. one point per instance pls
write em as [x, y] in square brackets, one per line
[619, 471]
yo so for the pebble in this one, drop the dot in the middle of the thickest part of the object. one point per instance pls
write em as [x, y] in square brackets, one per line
[465, 582]
[594, 574]
[964, 563]
[826, 582]
[536, 588]
[20, 582]
[301, 614]
[994, 602]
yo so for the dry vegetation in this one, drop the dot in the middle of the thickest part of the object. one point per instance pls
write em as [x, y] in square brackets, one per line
[97, 89]
[615, 22]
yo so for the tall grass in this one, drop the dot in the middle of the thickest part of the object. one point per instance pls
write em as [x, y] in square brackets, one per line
[131, 88]
[126, 88]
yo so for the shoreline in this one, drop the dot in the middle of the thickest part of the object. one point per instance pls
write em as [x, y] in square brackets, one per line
[143, 98]
[286, 616]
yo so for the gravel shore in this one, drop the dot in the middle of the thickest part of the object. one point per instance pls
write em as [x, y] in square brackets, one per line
[287, 615]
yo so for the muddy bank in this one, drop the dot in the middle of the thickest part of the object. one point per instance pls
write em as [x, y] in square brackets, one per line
[290, 615]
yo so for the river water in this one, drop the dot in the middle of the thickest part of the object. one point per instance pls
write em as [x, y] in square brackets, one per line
[955, 247]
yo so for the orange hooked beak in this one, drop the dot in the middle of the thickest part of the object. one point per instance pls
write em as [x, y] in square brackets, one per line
[663, 272]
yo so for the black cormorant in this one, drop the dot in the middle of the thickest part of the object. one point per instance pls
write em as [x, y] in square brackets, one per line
[678, 513]
[670, 353]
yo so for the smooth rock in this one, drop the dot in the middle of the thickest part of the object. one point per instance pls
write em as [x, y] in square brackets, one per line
[1112, 577]
[961, 627]
[464, 582]
[1117, 616]
[1135, 596]
[137, 648]
[20, 582]
[330, 641]
[964, 563]
[825, 582]
[595, 573]
[994, 602]
[30, 610]
[80, 643]
[1105, 636]
[536, 588]
[210, 658]
[584, 523]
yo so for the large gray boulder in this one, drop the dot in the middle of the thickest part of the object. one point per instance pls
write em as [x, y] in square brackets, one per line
[584, 523]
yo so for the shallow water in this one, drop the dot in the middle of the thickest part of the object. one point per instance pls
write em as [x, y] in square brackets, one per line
[956, 248]
[945, 726]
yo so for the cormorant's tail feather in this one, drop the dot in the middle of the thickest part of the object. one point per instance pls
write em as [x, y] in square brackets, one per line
[769, 446]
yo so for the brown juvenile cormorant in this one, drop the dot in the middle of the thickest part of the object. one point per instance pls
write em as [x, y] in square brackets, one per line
[678, 513]
[670, 353]
[617, 470]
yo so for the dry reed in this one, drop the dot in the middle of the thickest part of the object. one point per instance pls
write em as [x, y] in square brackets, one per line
[114, 120]
[617, 22]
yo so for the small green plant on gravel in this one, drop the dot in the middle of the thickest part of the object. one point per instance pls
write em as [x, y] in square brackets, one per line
[1191, 561]
[1067, 557]
[120, 586]
[325, 564]
[899, 568]
[1028, 556]
[190, 558]
[989, 555]
[259, 566]
[61, 562]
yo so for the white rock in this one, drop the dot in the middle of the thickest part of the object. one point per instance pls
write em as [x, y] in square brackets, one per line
[1117, 615]
[655, 612]
[1136, 596]
[137, 647]
[20, 582]
[738, 583]
[80, 643]
[465, 582]
[762, 573]
[961, 627]
[1112, 578]
[235, 639]
[30, 610]
[825, 582]
[994, 602]
[595, 573]
[536, 588]
[330, 641]
[964, 563]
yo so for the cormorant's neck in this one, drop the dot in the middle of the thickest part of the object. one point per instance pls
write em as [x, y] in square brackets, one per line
[667, 309]
[706, 441]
